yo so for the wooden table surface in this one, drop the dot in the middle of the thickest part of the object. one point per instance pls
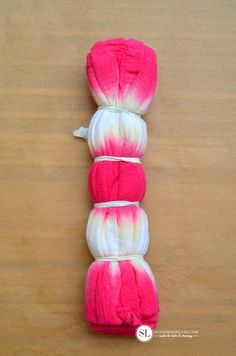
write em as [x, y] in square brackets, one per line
[189, 161]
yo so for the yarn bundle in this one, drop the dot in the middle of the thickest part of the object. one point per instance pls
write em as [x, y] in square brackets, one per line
[121, 292]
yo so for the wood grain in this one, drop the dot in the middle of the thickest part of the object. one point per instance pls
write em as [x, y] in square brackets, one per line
[190, 164]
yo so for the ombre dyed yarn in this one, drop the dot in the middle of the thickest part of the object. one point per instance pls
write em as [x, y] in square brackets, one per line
[121, 291]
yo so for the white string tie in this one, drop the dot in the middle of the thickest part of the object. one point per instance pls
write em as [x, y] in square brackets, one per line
[116, 109]
[115, 203]
[117, 159]
[119, 258]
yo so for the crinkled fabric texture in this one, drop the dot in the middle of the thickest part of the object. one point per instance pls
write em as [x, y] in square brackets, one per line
[122, 73]
[117, 134]
[116, 181]
[117, 231]
[120, 295]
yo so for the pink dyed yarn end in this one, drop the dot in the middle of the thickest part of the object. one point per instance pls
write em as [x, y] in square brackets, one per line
[119, 301]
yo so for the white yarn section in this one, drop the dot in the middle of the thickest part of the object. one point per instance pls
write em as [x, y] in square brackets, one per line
[119, 258]
[115, 203]
[120, 233]
[124, 129]
[117, 159]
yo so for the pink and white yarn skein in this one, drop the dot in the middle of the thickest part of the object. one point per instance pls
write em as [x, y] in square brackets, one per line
[121, 292]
